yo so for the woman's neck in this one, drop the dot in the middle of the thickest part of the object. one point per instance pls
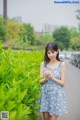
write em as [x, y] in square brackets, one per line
[53, 61]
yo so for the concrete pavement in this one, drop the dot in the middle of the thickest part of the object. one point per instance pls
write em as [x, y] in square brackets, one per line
[72, 90]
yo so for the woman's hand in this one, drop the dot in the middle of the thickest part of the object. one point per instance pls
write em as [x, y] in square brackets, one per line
[48, 74]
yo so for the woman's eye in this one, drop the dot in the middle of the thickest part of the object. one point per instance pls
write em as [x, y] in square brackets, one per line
[48, 53]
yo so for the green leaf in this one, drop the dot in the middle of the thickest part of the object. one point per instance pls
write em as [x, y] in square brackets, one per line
[21, 95]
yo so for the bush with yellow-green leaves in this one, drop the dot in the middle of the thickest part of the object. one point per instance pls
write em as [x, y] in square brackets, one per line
[19, 83]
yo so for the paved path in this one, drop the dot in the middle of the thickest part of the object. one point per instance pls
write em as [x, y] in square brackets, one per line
[72, 90]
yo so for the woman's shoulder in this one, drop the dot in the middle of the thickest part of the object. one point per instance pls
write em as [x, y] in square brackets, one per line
[42, 63]
[63, 63]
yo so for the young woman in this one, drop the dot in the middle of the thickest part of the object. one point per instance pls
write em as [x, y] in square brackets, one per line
[53, 78]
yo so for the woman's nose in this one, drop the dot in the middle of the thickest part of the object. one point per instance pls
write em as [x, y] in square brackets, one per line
[51, 55]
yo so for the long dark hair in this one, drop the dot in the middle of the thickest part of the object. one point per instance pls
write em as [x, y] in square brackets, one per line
[52, 47]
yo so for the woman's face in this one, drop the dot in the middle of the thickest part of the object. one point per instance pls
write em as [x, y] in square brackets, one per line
[52, 54]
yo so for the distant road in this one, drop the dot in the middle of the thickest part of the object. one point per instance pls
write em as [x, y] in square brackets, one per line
[72, 90]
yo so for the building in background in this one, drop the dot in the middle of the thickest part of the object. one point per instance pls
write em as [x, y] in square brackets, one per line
[17, 19]
[49, 28]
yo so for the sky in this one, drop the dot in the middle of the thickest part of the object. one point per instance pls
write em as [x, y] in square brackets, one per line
[40, 12]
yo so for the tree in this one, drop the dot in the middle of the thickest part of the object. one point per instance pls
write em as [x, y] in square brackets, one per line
[3, 29]
[29, 32]
[23, 33]
[46, 38]
[75, 42]
[62, 37]
[78, 18]
[13, 30]
[75, 38]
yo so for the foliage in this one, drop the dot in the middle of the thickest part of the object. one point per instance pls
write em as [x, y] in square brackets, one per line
[46, 39]
[78, 18]
[13, 30]
[75, 42]
[19, 83]
[75, 38]
[3, 29]
[74, 32]
[27, 33]
[23, 33]
[62, 37]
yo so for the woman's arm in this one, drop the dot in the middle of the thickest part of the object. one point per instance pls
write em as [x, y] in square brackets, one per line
[43, 80]
[63, 76]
